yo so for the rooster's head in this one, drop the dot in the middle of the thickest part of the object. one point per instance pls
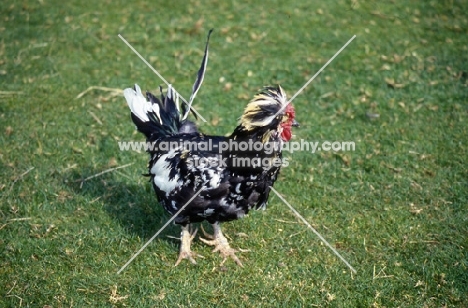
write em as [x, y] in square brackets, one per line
[269, 111]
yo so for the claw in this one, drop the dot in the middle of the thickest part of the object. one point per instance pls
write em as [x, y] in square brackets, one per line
[189, 255]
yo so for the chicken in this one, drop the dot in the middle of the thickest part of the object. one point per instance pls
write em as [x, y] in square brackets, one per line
[234, 173]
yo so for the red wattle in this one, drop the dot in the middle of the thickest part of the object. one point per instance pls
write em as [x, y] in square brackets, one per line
[286, 134]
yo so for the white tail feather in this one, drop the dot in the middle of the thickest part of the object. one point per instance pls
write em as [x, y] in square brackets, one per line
[139, 105]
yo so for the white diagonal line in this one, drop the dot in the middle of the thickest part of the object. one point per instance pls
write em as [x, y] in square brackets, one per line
[160, 230]
[316, 74]
[159, 75]
[313, 230]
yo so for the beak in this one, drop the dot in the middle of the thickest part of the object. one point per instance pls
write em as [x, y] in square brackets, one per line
[295, 123]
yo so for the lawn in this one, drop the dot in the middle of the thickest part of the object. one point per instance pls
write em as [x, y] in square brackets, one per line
[395, 207]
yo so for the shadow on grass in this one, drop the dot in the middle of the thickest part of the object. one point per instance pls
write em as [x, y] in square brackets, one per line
[134, 207]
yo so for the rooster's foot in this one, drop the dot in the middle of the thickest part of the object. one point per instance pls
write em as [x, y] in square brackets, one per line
[185, 252]
[221, 245]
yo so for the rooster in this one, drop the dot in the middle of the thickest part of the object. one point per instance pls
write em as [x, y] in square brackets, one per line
[232, 181]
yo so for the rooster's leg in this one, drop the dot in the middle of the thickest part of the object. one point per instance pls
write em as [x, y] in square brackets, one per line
[185, 240]
[221, 244]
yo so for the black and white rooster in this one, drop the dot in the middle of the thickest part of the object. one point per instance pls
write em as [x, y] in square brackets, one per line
[232, 181]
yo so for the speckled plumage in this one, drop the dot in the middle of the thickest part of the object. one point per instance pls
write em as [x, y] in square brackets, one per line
[230, 191]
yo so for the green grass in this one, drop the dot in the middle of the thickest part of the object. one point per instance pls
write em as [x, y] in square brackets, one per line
[395, 208]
